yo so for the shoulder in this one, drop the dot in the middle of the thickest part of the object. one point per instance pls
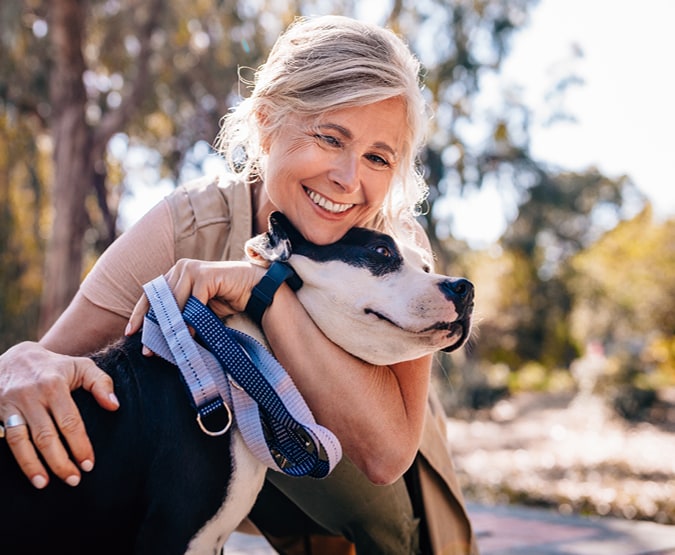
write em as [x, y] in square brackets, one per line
[210, 209]
[203, 201]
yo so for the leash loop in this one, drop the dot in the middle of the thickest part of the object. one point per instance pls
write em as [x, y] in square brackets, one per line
[232, 367]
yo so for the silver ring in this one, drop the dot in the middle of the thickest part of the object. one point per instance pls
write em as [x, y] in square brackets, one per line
[14, 420]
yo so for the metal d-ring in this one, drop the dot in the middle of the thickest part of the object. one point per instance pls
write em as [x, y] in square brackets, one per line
[220, 432]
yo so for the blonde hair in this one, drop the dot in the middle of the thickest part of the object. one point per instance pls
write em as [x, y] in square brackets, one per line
[328, 63]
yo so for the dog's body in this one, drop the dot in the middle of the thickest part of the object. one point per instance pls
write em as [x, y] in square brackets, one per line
[160, 484]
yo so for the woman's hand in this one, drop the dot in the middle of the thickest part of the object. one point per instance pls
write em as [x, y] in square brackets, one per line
[36, 384]
[224, 286]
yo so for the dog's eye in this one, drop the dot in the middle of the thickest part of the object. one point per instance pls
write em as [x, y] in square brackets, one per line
[426, 269]
[383, 250]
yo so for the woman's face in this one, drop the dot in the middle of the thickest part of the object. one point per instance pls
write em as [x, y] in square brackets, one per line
[331, 173]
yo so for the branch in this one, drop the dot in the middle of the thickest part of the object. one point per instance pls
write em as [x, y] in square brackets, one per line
[116, 120]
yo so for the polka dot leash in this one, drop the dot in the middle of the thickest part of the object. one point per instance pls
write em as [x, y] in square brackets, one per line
[225, 367]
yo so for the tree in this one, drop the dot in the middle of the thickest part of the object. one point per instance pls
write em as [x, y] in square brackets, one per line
[108, 73]
[529, 284]
[23, 226]
[624, 292]
[161, 74]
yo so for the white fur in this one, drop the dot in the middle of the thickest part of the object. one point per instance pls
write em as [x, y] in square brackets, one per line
[246, 481]
[410, 297]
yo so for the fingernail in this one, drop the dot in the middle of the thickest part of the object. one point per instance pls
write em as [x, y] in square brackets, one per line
[127, 330]
[73, 480]
[39, 481]
[114, 399]
[86, 465]
[146, 352]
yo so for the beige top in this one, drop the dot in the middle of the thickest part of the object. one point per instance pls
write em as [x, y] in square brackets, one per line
[206, 219]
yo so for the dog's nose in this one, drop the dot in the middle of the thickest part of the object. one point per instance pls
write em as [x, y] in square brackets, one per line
[458, 290]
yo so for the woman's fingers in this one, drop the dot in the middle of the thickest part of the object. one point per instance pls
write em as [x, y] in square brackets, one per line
[36, 384]
[224, 286]
[19, 442]
[40, 435]
[98, 383]
[137, 315]
[44, 438]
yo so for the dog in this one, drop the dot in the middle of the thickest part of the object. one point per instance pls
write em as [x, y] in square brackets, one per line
[162, 486]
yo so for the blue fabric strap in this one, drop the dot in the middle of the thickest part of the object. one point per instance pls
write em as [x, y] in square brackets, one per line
[262, 294]
[271, 414]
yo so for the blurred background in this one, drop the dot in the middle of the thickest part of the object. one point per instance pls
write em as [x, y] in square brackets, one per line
[550, 164]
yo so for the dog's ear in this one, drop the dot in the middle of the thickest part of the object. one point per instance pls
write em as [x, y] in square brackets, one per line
[275, 245]
[281, 226]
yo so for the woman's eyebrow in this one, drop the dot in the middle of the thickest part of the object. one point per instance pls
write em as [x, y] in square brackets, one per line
[348, 134]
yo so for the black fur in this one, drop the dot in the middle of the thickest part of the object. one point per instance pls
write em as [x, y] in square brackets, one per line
[158, 478]
[359, 247]
[156, 481]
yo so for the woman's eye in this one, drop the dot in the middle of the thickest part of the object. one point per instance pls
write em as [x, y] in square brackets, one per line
[329, 139]
[376, 159]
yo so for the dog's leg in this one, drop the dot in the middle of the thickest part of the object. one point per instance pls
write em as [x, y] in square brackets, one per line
[246, 481]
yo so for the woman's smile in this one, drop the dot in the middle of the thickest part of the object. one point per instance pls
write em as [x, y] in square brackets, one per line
[327, 204]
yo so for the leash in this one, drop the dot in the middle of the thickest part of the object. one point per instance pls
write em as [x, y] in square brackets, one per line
[233, 369]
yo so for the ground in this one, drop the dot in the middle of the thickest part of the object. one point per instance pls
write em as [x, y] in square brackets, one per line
[570, 452]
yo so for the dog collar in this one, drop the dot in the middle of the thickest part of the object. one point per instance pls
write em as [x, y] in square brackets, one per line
[262, 294]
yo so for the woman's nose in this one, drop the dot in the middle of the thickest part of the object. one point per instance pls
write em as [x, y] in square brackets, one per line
[345, 172]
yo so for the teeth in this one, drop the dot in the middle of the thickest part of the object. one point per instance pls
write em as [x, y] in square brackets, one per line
[326, 204]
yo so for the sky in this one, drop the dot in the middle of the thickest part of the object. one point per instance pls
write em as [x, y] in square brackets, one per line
[625, 110]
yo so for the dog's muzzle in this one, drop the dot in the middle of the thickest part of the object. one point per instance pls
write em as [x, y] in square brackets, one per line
[460, 292]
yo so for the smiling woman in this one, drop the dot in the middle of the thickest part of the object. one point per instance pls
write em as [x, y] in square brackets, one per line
[329, 137]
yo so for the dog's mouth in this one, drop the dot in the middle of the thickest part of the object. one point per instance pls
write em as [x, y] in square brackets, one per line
[458, 330]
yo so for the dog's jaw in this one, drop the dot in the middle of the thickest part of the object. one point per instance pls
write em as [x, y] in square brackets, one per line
[451, 336]
[381, 319]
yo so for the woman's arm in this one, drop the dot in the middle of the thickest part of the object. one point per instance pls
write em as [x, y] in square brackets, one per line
[377, 412]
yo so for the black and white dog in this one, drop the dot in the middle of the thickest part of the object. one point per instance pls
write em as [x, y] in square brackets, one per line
[160, 484]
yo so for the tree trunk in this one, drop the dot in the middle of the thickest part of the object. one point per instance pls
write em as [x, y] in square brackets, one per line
[79, 148]
[73, 164]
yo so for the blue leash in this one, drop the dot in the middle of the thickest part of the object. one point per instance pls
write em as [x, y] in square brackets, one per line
[235, 369]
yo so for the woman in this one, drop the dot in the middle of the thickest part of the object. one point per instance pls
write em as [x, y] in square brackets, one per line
[328, 136]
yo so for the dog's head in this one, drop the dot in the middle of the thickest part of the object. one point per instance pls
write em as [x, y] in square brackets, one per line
[374, 298]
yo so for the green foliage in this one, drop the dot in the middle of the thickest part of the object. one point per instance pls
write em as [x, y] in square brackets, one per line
[625, 294]
[162, 78]
[23, 216]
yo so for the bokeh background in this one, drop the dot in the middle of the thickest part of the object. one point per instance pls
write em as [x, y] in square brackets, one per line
[551, 176]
